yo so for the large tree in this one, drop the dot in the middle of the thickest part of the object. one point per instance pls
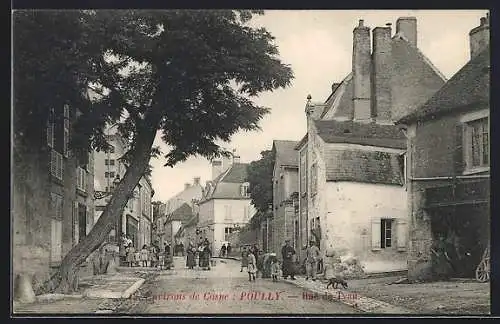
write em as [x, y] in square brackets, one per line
[260, 179]
[189, 74]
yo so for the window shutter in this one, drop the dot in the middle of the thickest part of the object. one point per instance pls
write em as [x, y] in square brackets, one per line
[401, 230]
[75, 223]
[88, 220]
[376, 228]
[459, 160]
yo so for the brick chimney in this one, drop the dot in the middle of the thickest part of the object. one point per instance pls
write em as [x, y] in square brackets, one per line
[361, 64]
[407, 26]
[479, 36]
[381, 77]
[196, 181]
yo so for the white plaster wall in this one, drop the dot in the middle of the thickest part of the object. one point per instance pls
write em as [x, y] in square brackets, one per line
[350, 208]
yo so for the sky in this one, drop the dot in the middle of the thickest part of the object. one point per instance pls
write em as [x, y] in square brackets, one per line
[318, 46]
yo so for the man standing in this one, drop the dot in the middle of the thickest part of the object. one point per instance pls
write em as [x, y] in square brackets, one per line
[312, 258]
[288, 255]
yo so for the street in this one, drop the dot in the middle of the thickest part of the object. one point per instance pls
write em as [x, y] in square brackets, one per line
[226, 290]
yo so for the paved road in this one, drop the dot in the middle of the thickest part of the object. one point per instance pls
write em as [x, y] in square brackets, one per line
[226, 290]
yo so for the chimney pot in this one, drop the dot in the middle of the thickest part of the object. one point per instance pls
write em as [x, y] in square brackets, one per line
[196, 180]
[335, 85]
[388, 24]
[187, 185]
[407, 26]
[361, 23]
[483, 21]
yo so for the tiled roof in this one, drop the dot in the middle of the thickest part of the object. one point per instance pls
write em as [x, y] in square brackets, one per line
[351, 132]
[228, 184]
[286, 153]
[413, 77]
[183, 214]
[363, 166]
[236, 174]
[469, 86]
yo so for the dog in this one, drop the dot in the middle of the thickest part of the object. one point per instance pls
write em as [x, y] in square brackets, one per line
[334, 282]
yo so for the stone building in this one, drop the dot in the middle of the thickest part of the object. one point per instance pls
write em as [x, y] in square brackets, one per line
[174, 221]
[285, 223]
[136, 220]
[52, 198]
[354, 155]
[449, 170]
[226, 204]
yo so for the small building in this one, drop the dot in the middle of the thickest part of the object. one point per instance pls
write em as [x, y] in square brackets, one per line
[449, 174]
[353, 157]
[52, 198]
[285, 223]
[226, 204]
[175, 221]
[109, 170]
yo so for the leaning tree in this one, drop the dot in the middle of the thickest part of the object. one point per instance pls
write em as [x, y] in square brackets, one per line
[188, 74]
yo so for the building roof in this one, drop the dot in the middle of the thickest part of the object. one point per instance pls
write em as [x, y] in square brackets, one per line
[351, 132]
[302, 142]
[410, 67]
[228, 184]
[364, 166]
[183, 214]
[468, 87]
[286, 155]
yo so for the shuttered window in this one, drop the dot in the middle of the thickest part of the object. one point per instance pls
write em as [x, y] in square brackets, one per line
[81, 182]
[66, 131]
[56, 164]
[227, 213]
[56, 240]
[401, 234]
[376, 237]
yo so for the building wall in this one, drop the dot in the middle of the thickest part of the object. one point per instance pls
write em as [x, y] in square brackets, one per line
[352, 225]
[438, 141]
[303, 199]
[41, 236]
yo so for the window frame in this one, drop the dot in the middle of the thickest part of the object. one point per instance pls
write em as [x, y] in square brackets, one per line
[383, 233]
[467, 142]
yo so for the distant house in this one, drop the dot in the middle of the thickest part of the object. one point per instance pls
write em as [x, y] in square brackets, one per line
[187, 232]
[285, 223]
[174, 222]
[225, 206]
[449, 155]
[352, 160]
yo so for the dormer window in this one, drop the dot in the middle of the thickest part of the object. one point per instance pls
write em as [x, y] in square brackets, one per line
[244, 190]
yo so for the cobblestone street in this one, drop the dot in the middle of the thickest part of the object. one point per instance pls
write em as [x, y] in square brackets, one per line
[225, 289]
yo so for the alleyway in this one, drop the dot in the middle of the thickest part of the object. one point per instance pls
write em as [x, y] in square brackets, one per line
[225, 289]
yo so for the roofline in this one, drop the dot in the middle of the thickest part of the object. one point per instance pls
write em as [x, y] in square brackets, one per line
[302, 142]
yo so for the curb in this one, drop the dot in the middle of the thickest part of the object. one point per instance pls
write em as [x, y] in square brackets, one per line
[54, 297]
[132, 289]
[361, 303]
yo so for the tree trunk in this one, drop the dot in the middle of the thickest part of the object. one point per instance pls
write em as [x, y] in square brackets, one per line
[66, 278]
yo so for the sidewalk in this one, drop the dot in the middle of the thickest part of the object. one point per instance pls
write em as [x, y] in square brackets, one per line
[98, 294]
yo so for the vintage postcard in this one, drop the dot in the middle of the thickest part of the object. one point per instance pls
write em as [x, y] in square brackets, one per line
[250, 162]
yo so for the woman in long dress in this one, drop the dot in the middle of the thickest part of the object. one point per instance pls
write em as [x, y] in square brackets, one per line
[244, 259]
[206, 257]
[252, 266]
[190, 259]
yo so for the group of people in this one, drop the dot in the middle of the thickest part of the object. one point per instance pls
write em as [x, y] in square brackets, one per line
[151, 256]
[225, 250]
[202, 252]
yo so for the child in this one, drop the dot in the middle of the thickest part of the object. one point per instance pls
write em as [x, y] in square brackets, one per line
[275, 269]
[144, 255]
[252, 266]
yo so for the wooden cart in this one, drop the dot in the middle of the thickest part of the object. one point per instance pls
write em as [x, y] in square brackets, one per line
[483, 269]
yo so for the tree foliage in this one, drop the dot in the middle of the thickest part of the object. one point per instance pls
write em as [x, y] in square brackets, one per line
[189, 74]
[260, 178]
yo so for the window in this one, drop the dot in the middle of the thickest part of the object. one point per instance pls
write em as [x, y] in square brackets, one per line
[107, 189]
[50, 128]
[386, 233]
[112, 175]
[66, 131]
[244, 190]
[106, 174]
[56, 164]
[227, 215]
[81, 182]
[477, 137]
[56, 227]
[111, 162]
[106, 162]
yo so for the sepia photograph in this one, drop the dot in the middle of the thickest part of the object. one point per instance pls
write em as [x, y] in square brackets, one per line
[250, 162]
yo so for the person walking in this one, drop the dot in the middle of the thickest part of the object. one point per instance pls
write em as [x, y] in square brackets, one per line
[260, 263]
[191, 254]
[144, 256]
[223, 251]
[312, 258]
[244, 259]
[228, 249]
[207, 253]
[288, 254]
[252, 266]
[152, 256]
